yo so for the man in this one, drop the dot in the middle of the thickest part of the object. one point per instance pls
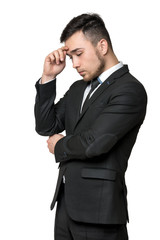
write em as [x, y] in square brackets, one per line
[101, 114]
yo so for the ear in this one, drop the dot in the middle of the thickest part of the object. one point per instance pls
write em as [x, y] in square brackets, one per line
[103, 46]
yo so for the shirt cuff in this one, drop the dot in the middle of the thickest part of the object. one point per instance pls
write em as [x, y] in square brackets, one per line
[40, 81]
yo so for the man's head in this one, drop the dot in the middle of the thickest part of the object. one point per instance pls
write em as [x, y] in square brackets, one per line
[89, 45]
[91, 25]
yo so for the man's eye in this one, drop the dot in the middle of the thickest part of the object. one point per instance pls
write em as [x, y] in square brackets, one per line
[79, 54]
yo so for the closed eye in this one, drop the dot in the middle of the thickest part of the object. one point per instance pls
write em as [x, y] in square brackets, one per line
[79, 54]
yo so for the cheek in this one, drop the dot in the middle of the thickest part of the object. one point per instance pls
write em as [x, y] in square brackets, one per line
[93, 65]
[90, 62]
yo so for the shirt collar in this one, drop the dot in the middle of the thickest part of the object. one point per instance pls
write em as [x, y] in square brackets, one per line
[108, 72]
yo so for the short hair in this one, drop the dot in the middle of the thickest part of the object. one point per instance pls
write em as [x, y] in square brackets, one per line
[92, 26]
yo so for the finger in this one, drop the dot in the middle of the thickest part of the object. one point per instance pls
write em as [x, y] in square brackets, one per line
[64, 48]
[61, 54]
[50, 58]
[57, 57]
[51, 150]
[65, 53]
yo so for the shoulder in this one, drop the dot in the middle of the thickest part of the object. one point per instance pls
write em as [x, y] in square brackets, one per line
[78, 83]
[128, 90]
[127, 83]
[77, 86]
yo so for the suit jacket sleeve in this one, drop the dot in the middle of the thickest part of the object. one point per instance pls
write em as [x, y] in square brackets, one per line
[49, 116]
[125, 111]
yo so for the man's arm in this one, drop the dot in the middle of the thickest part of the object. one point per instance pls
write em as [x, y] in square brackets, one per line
[50, 117]
[125, 111]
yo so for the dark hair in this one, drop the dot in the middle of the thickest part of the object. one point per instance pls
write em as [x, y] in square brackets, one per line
[92, 26]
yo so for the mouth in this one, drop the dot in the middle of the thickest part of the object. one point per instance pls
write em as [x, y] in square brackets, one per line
[82, 73]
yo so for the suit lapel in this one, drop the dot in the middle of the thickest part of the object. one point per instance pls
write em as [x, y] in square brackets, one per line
[98, 92]
[78, 99]
[108, 82]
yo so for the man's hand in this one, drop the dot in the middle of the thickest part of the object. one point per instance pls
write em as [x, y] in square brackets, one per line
[52, 141]
[54, 64]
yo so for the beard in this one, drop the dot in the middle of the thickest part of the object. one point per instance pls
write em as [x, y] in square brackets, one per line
[101, 65]
[99, 69]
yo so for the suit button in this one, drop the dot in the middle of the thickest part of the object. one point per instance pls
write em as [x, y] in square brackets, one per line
[64, 180]
[65, 154]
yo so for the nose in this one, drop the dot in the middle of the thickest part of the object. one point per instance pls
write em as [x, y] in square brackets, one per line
[76, 63]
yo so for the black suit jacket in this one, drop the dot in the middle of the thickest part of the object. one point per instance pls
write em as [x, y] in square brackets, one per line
[94, 154]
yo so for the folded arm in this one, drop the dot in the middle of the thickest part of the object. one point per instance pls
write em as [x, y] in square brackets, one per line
[125, 111]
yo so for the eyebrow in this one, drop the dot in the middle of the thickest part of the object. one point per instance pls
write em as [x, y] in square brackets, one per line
[74, 50]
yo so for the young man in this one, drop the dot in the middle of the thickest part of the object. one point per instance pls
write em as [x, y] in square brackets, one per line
[101, 114]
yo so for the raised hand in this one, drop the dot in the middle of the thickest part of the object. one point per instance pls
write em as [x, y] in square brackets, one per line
[54, 64]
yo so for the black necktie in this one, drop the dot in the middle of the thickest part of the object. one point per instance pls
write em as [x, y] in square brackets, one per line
[94, 84]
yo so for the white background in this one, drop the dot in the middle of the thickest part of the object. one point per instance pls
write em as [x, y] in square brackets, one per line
[29, 31]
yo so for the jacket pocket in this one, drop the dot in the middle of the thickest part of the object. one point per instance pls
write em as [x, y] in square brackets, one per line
[103, 173]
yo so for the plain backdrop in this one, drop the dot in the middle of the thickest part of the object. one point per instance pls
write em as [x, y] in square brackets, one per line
[29, 31]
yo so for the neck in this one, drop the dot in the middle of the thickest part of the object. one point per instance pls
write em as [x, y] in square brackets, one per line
[110, 60]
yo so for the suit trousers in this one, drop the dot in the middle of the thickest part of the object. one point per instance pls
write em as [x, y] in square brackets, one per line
[68, 229]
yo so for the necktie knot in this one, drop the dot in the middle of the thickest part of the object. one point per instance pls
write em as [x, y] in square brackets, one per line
[94, 84]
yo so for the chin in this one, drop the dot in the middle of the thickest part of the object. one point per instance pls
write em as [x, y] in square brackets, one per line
[87, 79]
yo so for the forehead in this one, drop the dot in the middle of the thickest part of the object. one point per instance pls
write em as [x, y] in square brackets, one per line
[77, 41]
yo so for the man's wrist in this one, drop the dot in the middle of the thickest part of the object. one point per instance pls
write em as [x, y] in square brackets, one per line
[46, 79]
